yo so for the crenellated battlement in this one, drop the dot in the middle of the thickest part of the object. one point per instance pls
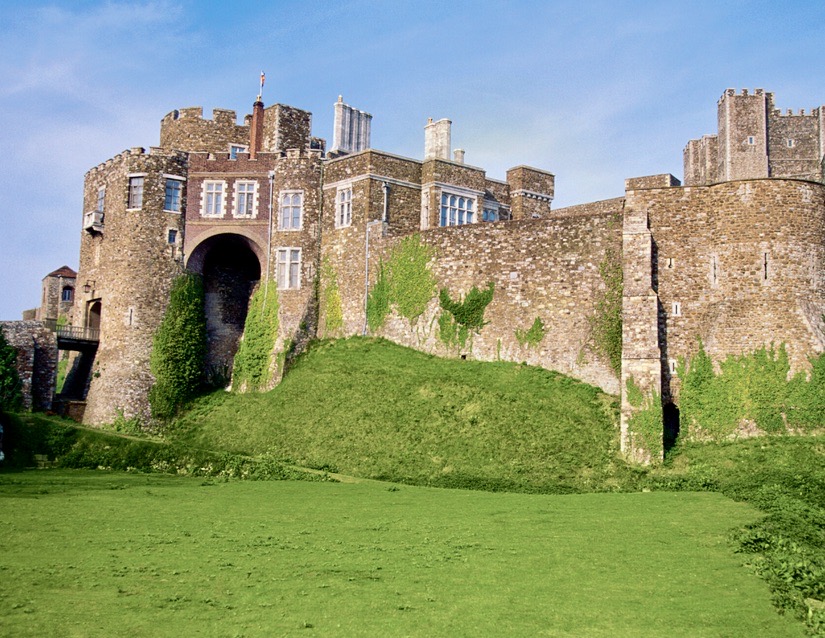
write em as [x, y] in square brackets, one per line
[187, 129]
[790, 113]
[154, 151]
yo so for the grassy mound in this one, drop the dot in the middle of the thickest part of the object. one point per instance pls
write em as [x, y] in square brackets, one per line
[373, 409]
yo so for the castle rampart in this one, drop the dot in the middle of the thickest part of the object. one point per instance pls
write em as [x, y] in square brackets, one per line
[186, 129]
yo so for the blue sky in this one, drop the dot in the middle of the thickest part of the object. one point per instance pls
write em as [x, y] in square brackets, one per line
[592, 91]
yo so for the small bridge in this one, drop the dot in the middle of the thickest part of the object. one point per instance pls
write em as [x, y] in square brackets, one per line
[74, 337]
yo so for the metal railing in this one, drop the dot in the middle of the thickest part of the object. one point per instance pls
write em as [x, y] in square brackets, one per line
[77, 333]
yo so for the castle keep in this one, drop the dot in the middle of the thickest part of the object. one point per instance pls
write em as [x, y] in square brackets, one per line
[734, 257]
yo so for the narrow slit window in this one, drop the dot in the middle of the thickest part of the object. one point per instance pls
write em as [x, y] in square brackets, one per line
[670, 263]
[714, 271]
[676, 309]
[764, 266]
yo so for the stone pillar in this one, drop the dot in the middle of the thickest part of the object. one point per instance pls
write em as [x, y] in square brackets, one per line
[641, 355]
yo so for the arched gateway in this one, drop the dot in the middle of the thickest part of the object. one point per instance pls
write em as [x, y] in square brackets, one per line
[231, 267]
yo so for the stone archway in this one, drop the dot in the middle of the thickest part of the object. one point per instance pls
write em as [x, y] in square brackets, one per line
[230, 267]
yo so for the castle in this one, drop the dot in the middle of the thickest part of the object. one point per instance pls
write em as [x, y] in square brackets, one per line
[735, 256]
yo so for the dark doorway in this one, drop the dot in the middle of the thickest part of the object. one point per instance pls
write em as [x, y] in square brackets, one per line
[93, 315]
[230, 272]
[671, 426]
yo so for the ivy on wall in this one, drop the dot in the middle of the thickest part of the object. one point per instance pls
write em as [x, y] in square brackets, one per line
[378, 301]
[411, 284]
[333, 312]
[533, 336]
[253, 362]
[606, 322]
[405, 283]
[752, 389]
[179, 348]
[11, 396]
[646, 424]
[461, 318]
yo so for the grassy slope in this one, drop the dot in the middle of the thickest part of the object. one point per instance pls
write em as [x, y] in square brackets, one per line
[112, 554]
[378, 410]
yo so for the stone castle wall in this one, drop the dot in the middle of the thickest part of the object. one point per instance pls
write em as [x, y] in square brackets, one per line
[185, 129]
[547, 269]
[36, 347]
[740, 265]
[129, 267]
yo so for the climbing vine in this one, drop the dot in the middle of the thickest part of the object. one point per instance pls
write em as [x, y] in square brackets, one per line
[179, 348]
[404, 283]
[411, 284]
[378, 301]
[606, 322]
[646, 423]
[253, 361]
[533, 336]
[752, 389]
[11, 396]
[461, 318]
[333, 311]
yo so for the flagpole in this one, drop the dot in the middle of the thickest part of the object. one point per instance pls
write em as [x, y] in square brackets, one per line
[261, 89]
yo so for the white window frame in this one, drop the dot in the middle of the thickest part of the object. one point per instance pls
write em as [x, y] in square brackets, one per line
[751, 140]
[288, 268]
[101, 199]
[288, 223]
[343, 206]
[676, 309]
[180, 181]
[208, 188]
[244, 200]
[134, 195]
[457, 210]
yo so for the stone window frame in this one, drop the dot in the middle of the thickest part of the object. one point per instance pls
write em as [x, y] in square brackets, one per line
[171, 236]
[751, 140]
[250, 199]
[288, 267]
[676, 309]
[490, 209]
[181, 181]
[288, 223]
[134, 190]
[205, 192]
[101, 199]
[64, 297]
[444, 216]
[791, 143]
[343, 206]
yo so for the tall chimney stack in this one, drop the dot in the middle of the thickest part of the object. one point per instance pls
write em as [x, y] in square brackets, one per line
[256, 132]
[437, 139]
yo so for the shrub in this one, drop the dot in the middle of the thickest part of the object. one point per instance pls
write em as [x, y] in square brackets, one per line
[253, 361]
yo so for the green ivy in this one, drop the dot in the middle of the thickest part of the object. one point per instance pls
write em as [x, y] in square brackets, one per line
[410, 281]
[179, 348]
[378, 301]
[333, 311]
[460, 319]
[533, 336]
[751, 388]
[11, 396]
[646, 424]
[253, 361]
[606, 322]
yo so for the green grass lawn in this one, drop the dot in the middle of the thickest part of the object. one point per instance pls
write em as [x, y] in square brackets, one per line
[105, 554]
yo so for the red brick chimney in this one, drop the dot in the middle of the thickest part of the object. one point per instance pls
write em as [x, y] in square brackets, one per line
[256, 132]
